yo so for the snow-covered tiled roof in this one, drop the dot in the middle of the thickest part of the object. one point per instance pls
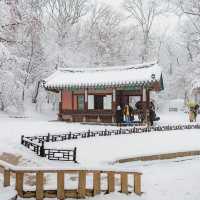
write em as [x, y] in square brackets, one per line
[141, 74]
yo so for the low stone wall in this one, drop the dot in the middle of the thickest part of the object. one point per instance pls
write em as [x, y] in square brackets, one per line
[164, 156]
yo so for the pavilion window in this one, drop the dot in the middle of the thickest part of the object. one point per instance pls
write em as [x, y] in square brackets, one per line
[99, 102]
[90, 102]
[107, 102]
[80, 102]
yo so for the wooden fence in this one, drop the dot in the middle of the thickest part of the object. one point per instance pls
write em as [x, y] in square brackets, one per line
[61, 192]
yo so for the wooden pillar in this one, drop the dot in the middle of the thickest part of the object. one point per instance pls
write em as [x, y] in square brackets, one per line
[114, 104]
[60, 106]
[19, 183]
[148, 105]
[144, 106]
[6, 178]
[96, 183]
[124, 182]
[72, 100]
[111, 182]
[60, 186]
[39, 186]
[137, 183]
[82, 184]
[86, 100]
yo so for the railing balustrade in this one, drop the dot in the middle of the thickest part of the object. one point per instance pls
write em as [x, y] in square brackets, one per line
[80, 192]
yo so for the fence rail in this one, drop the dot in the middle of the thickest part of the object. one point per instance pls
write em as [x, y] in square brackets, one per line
[36, 143]
[51, 154]
[80, 192]
[106, 132]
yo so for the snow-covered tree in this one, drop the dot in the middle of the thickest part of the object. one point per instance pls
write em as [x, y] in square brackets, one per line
[144, 14]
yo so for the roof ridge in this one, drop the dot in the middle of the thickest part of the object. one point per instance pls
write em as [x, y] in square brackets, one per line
[108, 68]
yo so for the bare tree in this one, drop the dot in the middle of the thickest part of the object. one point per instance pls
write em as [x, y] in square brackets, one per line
[103, 30]
[190, 29]
[144, 13]
[189, 7]
[65, 13]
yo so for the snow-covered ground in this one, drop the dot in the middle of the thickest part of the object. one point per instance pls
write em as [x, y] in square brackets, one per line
[98, 150]
[101, 151]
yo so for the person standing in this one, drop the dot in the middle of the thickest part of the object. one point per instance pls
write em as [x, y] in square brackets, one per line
[126, 114]
[119, 115]
[152, 113]
[196, 108]
[131, 111]
[191, 106]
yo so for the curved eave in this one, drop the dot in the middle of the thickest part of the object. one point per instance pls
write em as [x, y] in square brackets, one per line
[154, 84]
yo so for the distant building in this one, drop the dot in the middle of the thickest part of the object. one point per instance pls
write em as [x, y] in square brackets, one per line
[93, 94]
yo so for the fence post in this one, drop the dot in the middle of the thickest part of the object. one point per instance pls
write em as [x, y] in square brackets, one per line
[69, 136]
[137, 183]
[39, 185]
[124, 182]
[81, 184]
[19, 183]
[74, 154]
[6, 182]
[42, 153]
[111, 182]
[60, 185]
[48, 137]
[88, 133]
[96, 183]
[22, 139]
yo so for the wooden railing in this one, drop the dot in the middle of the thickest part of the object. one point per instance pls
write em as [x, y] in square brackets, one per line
[60, 192]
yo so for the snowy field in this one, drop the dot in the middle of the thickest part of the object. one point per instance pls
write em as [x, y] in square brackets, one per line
[158, 176]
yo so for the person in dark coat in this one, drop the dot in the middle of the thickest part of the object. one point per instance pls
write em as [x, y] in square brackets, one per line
[138, 105]
[196, 108]
[119, 115]
[152, 114]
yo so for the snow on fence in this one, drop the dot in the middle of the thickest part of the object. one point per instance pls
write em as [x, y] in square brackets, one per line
[36, 143]
[82, 189]
[120, 131]
[51, 154]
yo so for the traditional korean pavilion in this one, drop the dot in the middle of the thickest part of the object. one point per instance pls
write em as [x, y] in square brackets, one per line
[93, 94]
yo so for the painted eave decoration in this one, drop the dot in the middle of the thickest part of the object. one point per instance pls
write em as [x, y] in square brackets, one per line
[133, 76]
